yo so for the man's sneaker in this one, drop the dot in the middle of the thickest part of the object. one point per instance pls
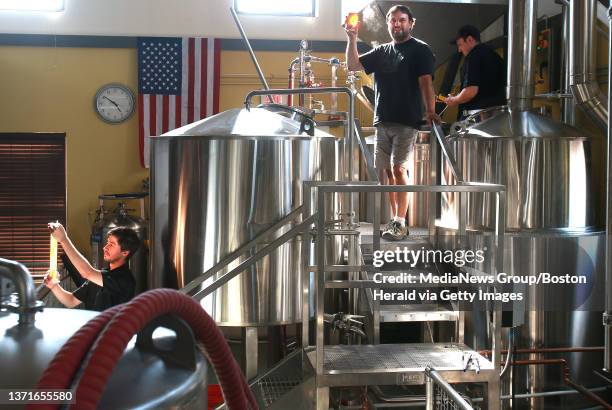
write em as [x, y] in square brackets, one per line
[387, 228]
[397, 232]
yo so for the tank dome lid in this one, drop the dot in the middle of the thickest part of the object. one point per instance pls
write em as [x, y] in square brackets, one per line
[522, 124]
[236, 122]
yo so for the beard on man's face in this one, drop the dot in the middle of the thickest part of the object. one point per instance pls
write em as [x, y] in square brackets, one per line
[399, 35]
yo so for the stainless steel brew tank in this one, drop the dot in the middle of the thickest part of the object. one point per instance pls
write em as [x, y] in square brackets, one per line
[141, 378]
[219, 182]
[545, 165]
[550, 227]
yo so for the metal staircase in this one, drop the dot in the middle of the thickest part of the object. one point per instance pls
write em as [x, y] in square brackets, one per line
[393, 312]
[320, 367]
[395, 364]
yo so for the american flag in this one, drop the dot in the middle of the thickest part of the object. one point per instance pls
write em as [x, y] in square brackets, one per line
[178, 83]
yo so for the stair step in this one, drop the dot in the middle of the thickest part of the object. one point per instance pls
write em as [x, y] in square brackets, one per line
[417, 239]
[416, 313]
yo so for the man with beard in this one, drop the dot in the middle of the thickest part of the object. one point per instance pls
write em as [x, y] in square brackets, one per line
[404, 97]
[102, 288]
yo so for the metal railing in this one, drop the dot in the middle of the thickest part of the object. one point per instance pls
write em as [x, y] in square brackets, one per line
[324, 188]
[440, 395]
[191, 286]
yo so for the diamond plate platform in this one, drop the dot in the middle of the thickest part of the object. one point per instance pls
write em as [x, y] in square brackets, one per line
[397, 364]
[401, 357]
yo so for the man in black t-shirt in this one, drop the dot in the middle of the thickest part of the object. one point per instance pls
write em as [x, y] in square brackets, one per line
[483, 74]
[102, 288]
[404, 99]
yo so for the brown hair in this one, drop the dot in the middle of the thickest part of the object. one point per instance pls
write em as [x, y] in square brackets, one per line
[127, 239]
[401, 8]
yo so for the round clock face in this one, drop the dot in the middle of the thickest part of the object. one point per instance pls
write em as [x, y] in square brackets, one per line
[114, 103]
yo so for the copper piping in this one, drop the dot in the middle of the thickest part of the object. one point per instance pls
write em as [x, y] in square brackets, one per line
[565, 373]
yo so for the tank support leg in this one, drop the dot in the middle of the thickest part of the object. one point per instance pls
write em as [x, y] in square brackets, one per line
[250, 350]
[322, 398]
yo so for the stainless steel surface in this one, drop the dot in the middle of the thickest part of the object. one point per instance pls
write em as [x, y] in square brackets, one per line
[27, 304]
[568, 106]
[430, 395]
[140, 380]
[345, 170]
[350, 131]
[546, 166]
[583, 56]
[29, 349]
[548, 169]
[399, 358]
[445, 396]
[121, 217]
[250, 351]
[248, 263]
[418, 174]
[260, 238]
[416, 313]
[573, 315]
[454, 14]
[448, 155]
[262, 78]
[521, 55]
[608, 241]
[326, 376]
[367, 155]
[275, 388]
[143, 381]
[216, 185]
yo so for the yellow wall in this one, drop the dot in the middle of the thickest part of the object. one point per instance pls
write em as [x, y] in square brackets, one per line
[239, 77]
[52, 89]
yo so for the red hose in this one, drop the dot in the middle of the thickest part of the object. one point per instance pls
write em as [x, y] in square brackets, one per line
[61, 370]
[126, 321]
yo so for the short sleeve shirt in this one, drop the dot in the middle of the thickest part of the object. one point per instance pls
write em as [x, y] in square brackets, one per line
[397, 68]
[118, 286]
[484, 68]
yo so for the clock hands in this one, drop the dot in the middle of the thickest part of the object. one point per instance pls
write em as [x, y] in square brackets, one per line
[112, 102]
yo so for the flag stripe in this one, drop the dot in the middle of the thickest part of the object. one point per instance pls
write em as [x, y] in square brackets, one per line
[216, 77]
[203, 79]
[165, 111]
[178, 108]
[191, 74]
[185, 85]
[197, 79]
[141, 130]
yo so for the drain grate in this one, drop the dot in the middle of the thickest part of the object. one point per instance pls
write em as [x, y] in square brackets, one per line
[273, 388]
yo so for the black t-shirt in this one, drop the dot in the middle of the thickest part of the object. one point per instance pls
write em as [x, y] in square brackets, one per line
[397, 68]
[118, 287]
[484, 68]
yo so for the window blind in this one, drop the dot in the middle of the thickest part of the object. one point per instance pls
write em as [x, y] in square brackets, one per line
[32, 193]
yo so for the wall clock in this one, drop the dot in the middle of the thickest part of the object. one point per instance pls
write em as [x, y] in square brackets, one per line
[114, 103]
